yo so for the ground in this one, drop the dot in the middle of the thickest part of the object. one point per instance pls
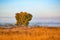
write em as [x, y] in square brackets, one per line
[30, 33]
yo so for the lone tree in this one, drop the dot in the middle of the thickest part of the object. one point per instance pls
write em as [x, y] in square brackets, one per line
[23, 18]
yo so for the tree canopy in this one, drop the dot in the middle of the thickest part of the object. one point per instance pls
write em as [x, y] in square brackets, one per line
[23, 18]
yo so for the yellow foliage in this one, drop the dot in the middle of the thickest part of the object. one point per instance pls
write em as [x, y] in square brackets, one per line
[23, 18]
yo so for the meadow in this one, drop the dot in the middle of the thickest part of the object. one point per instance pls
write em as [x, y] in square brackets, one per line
[30, 33]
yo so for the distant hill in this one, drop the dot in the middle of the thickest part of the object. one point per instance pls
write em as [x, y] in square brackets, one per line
[6, 25]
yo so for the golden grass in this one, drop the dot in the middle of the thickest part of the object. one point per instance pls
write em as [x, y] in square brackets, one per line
[30, 33]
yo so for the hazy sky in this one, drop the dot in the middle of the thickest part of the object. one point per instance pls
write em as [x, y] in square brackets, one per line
[38, 8]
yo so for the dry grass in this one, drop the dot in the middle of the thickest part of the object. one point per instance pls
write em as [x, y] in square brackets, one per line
[30, 33]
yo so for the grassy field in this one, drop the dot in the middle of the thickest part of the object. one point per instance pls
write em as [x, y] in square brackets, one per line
[30, 33]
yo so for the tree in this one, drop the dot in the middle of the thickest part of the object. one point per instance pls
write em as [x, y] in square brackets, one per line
[23, 18]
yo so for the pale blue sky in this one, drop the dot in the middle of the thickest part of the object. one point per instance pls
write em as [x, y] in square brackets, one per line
[38, 8]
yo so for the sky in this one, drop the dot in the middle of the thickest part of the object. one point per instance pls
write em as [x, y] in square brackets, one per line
[38, 8]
